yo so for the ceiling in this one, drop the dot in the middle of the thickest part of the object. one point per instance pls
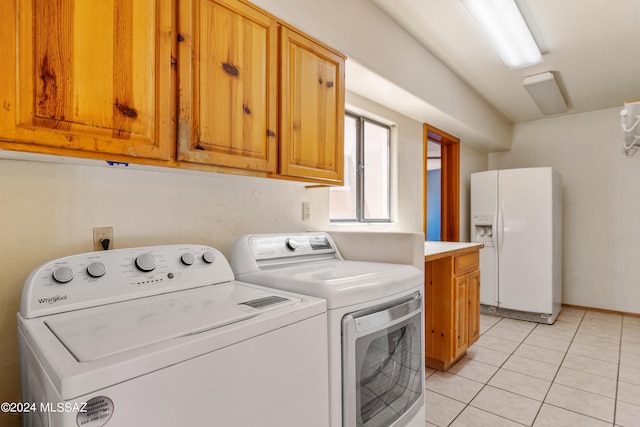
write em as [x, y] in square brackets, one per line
[592, 46]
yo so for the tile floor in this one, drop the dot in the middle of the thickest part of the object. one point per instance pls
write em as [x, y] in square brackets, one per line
[584, 370]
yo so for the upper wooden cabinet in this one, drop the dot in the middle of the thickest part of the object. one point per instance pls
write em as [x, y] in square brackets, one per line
[236, 63]
[89, 76]
[213, 85]
[311, 109]
[227, 85]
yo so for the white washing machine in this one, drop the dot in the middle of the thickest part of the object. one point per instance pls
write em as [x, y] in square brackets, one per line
[164, 336]
[376, 322]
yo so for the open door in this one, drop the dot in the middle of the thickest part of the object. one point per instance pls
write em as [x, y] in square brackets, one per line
[450, 182]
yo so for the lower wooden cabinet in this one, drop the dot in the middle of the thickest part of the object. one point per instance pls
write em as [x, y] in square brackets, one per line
[452, 308]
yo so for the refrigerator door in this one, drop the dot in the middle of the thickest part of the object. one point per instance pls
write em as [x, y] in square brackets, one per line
[484, 205]
[525, 241]
[488, 276]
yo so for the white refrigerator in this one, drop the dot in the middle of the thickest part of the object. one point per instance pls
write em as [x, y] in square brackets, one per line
[517, 214]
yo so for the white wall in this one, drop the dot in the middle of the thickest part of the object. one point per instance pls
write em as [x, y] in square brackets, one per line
[601, 187]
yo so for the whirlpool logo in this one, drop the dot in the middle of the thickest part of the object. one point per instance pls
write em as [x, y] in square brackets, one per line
[52, 300]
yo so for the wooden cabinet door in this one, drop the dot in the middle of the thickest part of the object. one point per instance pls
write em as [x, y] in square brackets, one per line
[311, 109]
[460, 315]
[227, 85]
[474, 307]
[88, 75]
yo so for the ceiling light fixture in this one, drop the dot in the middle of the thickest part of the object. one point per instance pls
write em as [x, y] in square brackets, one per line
[503, 25]
[544, 90]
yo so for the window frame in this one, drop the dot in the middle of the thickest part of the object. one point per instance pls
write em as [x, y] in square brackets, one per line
[359, 175]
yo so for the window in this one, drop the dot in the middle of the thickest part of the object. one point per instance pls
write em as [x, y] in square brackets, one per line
[365, 194]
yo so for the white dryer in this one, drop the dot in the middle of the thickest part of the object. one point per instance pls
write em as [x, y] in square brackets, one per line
[164, 336]
[376, 322]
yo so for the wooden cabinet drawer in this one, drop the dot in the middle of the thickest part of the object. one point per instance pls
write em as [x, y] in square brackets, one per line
[463, 264]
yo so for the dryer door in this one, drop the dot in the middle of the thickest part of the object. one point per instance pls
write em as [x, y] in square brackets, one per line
[383, 364]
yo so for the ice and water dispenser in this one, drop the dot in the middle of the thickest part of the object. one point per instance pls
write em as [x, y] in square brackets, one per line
[483, 229]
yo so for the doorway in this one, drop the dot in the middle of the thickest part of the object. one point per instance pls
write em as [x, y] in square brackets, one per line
[448, 226]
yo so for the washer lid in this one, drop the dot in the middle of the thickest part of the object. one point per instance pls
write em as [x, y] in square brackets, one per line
[93, 334]
[340, 282]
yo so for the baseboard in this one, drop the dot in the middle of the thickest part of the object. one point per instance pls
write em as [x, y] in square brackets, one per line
[601, 310]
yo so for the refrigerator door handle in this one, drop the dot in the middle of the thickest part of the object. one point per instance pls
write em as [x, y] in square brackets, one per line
[496, 249]
[500, 229]
[494, 231]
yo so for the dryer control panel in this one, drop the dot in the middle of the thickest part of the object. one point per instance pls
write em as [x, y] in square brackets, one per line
[254, 252]
[264, 247]
[105, 277]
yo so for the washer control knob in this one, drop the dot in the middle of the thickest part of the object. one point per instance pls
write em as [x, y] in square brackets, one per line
[146, 262]
[96, 269]
[209, 257]
[188, 258]
[63, 274]
[292, 244]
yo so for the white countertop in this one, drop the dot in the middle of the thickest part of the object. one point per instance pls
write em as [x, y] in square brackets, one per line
[434, 248]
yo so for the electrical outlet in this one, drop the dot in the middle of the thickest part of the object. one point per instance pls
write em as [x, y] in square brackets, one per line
[306, 211]
[102, 238]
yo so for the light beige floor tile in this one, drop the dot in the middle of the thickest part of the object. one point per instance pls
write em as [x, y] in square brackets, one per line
[430, 425]
[596, 316]
[531, 367]
[559, 332]
[473, 370]
[518, 325]
[603, 330]
[484, 328]
[591, 317]
[539, 353]
[629, 393]
[521, 384]
[547, 342]
[487, 355]
[441, 410]
[631, 360]
[571, 315]
[627, 415]
[453, 386]
[590, 404]
[474, 417]
[507, 405]
[592, 366]
[507, 333]
[552, 416]
[495, 343]
[631, 336]
[611, 341]
[599, 353]
[587, 382]
[631, 321]
[489, 319]
[628, 347]
[629, 374]
[428, 372]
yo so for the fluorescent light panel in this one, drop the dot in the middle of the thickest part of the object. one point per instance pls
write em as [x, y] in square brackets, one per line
[503, 25]
[545, 92]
